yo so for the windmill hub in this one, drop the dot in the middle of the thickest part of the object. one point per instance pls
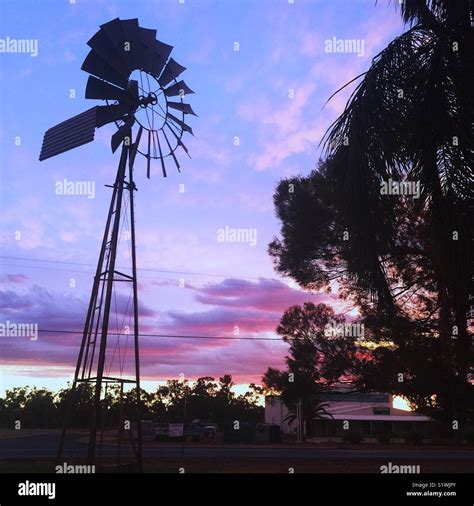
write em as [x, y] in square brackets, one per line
[151, 99]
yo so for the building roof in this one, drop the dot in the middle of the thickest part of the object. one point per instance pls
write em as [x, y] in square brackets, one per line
[338, 396]
[384, 418]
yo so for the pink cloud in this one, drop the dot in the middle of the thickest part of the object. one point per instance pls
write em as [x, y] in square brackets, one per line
[265, 295]
[254, 306]
[14, 278]
[294, 126]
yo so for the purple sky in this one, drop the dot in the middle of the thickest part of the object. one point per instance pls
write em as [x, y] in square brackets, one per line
[270, 94]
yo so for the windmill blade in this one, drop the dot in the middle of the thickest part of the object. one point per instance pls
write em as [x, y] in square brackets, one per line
[161, 53]
[104, 47]
[95, 65]
[148, 155]
[130, 28]
[180, 88]
[108, 113]
[140, 55]
[180, 123]
[156, 64]
[180, 106]
[161, 155]
[171, 151]
[128, 46]
[163, 50]
[147, 36]
[136, 49]
[114, 31]
[122, 132]
[69, 134]
[149, 58]
[172, 70]
[137, 46]
[178, 139]
[96, 88]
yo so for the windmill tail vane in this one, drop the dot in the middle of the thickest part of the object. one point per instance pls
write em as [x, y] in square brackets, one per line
[134, 74]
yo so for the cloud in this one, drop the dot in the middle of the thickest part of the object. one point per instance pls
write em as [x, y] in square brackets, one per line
[60, 313]
[58, 310]
[161, 357]
[263, 295]
[283, 127]
[219, 321]
[254, 307]
[286, 126]
[14, 278]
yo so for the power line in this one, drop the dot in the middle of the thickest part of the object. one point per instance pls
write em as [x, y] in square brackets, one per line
[170, 335]
[308, 293]
[140, 269]
[283, 287]
[42, 267]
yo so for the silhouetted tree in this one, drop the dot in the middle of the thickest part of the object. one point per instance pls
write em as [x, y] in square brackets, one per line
[33, 408]
[315, 362]
[203, 400]
[313, 251]
[407, 262]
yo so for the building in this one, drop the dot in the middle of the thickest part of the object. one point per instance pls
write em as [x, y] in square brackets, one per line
[369, 414]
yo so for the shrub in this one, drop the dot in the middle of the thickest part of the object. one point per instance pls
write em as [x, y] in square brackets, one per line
[384, 438]
[413, 438]
[353, 437]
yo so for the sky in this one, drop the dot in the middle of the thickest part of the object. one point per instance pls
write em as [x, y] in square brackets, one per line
[262, 72]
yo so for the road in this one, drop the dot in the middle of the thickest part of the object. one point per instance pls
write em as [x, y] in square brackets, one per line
[44, 447]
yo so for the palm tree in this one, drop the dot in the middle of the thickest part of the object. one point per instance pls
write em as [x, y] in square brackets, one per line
[311, 410]
[410, 119]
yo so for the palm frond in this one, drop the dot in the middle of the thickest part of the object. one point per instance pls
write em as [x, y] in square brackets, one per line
[412, 98]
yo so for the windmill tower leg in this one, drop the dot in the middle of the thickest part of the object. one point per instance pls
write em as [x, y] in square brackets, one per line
[110, 274]
[88, 325]
[131, 186]
[89, 368]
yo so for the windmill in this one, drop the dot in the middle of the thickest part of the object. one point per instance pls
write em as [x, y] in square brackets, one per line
[136, 77]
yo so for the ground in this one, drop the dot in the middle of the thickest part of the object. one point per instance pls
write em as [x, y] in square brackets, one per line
[34, 451]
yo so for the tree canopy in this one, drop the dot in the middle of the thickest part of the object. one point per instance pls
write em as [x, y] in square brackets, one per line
[178, 401]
